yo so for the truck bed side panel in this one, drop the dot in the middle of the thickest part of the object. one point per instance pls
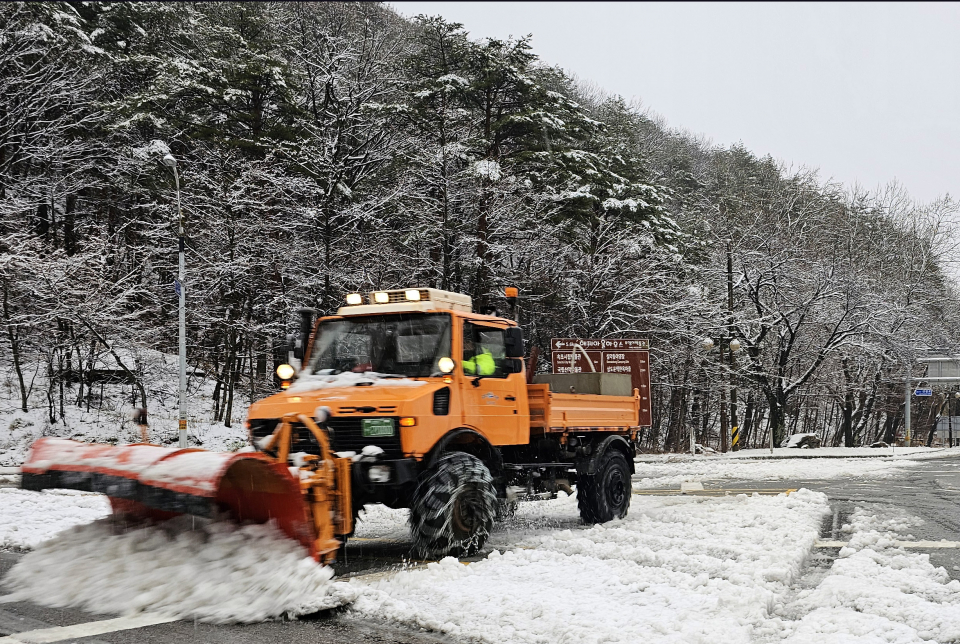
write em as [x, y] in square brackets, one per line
[582, 411]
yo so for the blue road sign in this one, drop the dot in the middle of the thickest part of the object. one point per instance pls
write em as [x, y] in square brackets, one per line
[923, 392]
[177, 287]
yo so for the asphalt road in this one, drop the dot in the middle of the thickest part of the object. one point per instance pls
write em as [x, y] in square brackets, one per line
[930, 491]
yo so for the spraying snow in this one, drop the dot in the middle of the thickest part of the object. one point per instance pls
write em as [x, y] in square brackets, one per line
[186, 567]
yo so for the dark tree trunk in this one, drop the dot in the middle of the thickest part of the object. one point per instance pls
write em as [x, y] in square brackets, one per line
[13, 334]
[69, 225]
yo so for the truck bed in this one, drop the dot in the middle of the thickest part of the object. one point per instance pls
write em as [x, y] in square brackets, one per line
[555, 412]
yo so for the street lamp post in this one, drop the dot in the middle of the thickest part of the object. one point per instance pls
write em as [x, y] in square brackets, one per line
[950, 418]
[171, 162]
[734, 346]
[906, 407]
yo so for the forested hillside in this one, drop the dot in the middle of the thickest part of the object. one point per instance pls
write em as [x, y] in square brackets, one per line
[334, 147]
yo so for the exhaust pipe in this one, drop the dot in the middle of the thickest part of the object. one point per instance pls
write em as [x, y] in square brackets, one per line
[306, 328]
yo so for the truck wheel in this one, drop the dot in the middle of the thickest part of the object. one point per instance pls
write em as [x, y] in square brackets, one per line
[453, 507]
[606, 495]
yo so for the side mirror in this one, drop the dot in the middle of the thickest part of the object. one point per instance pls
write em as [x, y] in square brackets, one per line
[513, 341]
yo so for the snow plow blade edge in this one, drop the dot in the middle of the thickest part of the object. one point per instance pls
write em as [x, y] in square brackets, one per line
[150, 481]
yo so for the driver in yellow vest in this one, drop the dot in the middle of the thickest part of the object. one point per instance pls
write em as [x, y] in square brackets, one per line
[478, 364]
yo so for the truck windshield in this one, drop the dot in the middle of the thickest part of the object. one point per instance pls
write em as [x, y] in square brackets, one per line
[403, 344]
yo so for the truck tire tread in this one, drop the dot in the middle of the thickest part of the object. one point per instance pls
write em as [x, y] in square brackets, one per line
[457, 475]
[597, 500]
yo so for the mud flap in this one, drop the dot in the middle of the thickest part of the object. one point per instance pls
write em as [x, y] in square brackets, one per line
[159, 482]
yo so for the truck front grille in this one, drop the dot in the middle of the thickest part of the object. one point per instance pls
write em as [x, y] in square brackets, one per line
[346, 435]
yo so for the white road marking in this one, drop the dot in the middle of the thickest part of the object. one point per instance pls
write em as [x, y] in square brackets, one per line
[87, 629]
[899, 544]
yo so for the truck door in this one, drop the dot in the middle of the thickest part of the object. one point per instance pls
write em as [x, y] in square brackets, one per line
[488, 390]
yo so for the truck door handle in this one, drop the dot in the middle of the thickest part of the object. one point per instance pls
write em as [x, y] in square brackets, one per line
[509, 397]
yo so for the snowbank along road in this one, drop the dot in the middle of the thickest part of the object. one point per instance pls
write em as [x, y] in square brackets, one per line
[832, 562]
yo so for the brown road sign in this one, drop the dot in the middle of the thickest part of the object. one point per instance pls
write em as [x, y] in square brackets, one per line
[608, 355]
[601, 344]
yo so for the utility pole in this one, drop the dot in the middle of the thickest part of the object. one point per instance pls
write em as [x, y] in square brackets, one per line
[950, 422]
[170, 161]
[724, 427]
[734, 425]
[906, 407]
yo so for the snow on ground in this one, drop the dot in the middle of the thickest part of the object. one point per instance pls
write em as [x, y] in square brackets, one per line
[110, 420]
[186, 567]
[29, 518]
[842, 452]
[671, 471]
[877, 592]
[676, 569]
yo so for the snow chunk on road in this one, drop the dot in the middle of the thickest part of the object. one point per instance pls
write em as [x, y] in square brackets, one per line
[676, 569]
[217, 572]
[29, 518]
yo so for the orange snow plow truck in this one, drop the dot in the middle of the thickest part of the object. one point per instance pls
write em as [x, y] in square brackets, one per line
[406, 398]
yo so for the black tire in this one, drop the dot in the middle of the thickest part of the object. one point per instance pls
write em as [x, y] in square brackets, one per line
[606, 495]
[453, 507]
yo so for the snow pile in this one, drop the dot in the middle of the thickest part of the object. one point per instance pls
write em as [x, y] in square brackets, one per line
[844, 452]
[676, 569]
[311, 381]
[30, 518]
[186, 567]
[876, 588]
[668, 472]
[794, 440]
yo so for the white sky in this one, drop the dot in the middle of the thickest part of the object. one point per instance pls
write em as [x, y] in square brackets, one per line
[866, 92]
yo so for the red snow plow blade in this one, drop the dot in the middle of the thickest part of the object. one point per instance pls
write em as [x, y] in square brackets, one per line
[160, 482]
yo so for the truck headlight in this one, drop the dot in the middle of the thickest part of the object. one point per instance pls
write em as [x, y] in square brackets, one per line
[379, 474]
[354, 298]
[285, 372]
[381, 298]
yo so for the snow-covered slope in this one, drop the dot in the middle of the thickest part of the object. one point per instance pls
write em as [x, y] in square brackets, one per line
[110, 420]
